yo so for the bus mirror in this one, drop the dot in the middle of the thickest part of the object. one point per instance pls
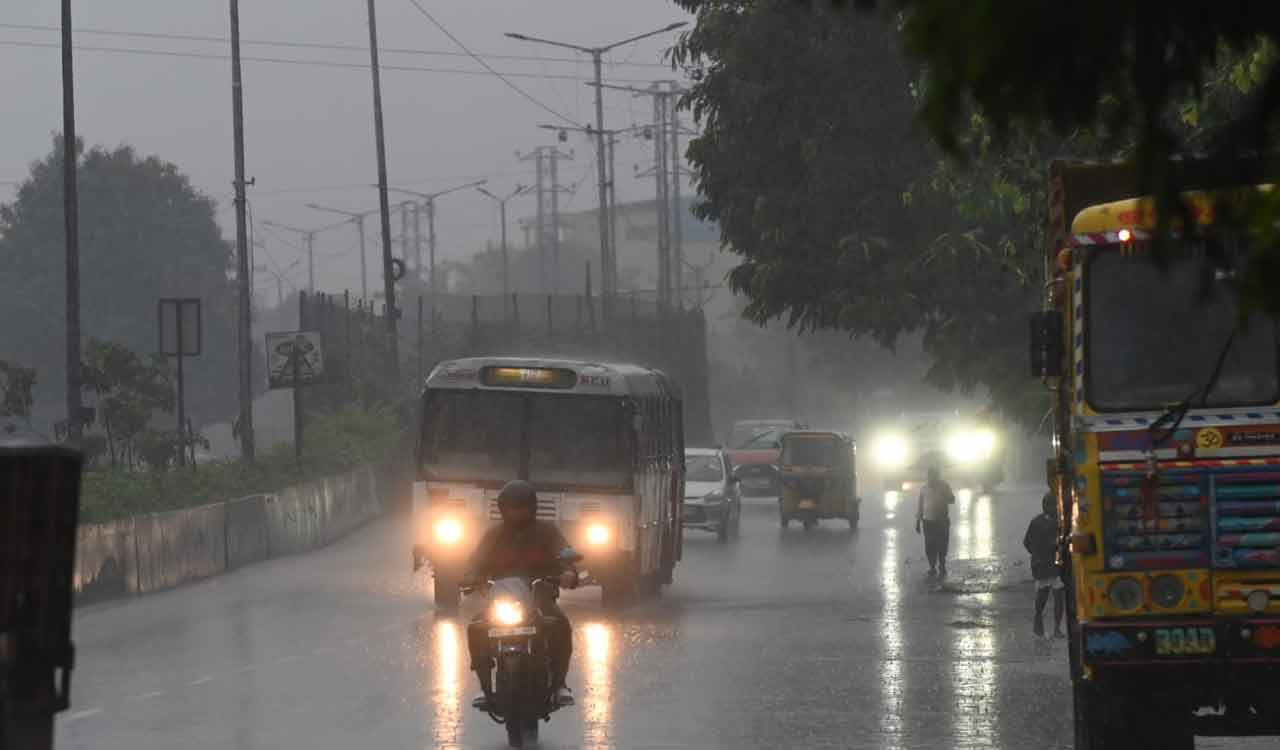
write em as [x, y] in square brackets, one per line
[1046, 344]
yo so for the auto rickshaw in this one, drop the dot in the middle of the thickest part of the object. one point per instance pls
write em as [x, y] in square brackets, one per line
[819, 478]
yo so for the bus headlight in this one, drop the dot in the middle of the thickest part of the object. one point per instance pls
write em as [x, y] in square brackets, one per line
[1125, 594]
[508, 612]
[890, 451]
[598, 534]
[448, 531]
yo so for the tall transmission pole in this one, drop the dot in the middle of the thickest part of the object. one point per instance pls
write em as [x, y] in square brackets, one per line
[71, 225]
[608, 265]
[676, 219]
[244, 339]
[384, 209]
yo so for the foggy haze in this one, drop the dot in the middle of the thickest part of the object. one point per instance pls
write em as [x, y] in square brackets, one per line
[309, 128]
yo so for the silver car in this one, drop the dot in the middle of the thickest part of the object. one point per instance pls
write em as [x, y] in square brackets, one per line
[711, 498]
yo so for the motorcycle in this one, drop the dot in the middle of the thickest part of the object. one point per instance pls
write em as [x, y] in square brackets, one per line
[523, 693]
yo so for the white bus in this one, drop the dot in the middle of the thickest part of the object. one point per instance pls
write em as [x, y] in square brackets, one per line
[602, 443]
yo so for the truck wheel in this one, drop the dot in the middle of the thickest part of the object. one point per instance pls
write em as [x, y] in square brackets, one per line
[446, 592]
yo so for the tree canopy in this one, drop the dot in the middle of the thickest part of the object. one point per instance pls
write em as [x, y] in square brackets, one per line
[940, 118]
[145, 233]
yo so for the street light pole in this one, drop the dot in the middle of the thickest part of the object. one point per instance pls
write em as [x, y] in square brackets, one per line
[608, 265]
[429, 202]
[502, 212]
[358, 218]
[308, 236]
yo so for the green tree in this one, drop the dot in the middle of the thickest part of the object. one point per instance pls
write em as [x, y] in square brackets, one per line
[845, 217]
[16, 385]
[129, 390]
[145, 233]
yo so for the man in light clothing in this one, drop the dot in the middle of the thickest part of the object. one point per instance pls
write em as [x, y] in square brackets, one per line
[934, 520]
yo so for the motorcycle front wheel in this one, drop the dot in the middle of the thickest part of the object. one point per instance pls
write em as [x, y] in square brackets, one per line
[510, 681]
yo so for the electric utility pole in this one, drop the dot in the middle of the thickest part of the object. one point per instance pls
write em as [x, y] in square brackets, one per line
[384, 209]
[244, 339]
[71, 225]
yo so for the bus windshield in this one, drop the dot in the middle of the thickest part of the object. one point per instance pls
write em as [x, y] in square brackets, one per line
[489, 435]
[1154, 340]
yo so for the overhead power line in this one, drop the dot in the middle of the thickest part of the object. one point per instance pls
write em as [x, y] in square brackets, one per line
[324, 64]
[502, 77]
[316, 45]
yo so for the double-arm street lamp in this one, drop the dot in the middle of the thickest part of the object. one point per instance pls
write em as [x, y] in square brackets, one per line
[502, 208]
[429, 201]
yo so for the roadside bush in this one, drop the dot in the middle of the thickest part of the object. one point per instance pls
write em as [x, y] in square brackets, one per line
[334, 442]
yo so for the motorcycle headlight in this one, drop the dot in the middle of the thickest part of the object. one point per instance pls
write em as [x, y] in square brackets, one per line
[598, 534]
[448, 531]
[508, 612]
[890, 451]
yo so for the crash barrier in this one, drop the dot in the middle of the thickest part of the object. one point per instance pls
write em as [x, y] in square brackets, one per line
[149, 553]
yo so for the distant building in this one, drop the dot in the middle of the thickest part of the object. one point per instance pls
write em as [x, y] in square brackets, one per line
[637, 237]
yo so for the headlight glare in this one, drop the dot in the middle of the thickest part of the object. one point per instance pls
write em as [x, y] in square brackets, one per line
[448, 531]
[890, 451]
[598, 534]
[1125, 594]
[508, 612]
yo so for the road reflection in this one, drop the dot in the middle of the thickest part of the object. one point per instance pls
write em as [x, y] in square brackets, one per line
[974, 677]
[598, 697]
[446, 694]
[891, 676]
[973, 528]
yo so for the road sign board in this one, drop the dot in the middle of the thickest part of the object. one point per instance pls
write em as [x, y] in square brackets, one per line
[294, 351]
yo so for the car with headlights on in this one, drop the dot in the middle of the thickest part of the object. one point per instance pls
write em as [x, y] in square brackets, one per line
[711, 498]
[968, 450]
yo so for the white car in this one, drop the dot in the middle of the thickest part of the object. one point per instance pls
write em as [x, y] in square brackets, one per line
[711, 498]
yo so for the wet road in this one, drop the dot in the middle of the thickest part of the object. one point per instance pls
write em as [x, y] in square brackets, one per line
[828, 639]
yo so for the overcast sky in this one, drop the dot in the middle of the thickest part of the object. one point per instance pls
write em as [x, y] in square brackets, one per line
[309, 128]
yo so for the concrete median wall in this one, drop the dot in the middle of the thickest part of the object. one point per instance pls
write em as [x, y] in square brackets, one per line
[157, 551]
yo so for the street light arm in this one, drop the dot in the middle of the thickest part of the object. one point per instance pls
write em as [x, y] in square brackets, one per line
[527, 38]
[638, 37]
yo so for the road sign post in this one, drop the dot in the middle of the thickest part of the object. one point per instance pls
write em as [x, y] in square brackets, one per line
[295, 359]
[180, 336]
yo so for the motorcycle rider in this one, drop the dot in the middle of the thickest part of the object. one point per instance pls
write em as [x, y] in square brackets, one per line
[523, 547]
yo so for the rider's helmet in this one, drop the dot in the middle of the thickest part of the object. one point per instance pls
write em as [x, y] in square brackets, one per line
[518, 493]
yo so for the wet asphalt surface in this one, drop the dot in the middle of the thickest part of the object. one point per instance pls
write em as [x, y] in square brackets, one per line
[824, 639]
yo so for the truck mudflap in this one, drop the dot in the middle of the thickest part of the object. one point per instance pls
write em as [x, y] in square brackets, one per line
[1206, 641]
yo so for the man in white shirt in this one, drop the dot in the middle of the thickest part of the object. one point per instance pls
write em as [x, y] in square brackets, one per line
[934, 520]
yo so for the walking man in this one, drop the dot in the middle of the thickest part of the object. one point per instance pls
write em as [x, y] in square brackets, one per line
[1041, 540]
[933, 519]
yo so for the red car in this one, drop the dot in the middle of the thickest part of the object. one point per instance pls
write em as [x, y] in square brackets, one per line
[754, 446]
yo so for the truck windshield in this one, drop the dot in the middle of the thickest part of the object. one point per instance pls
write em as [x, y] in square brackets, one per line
[489, 435]
[1154, 339]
